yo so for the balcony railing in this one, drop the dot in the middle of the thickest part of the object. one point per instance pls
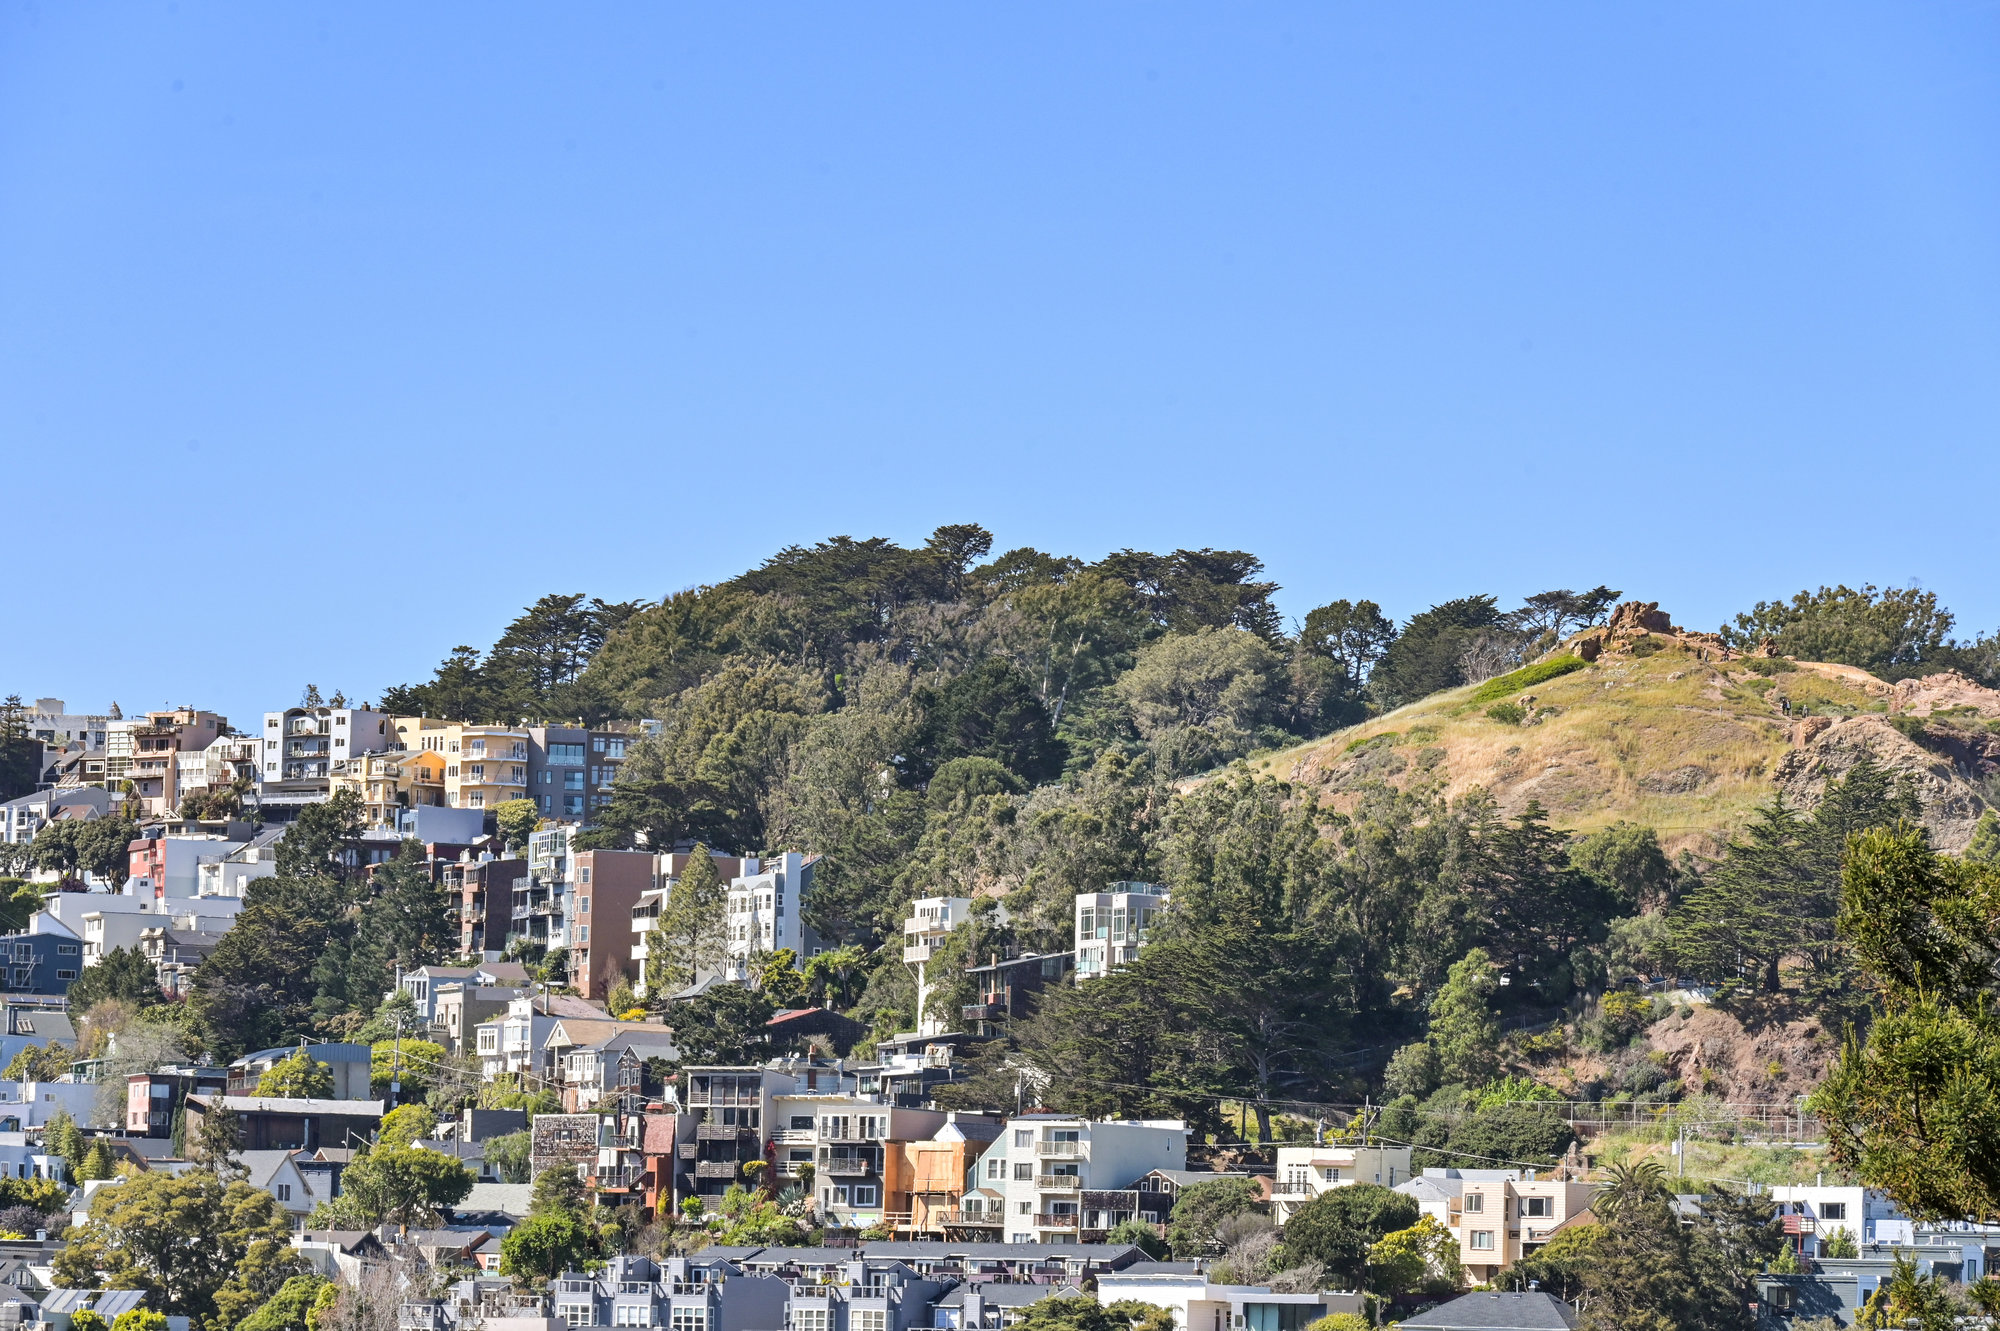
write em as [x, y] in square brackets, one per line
[981, 1012]
[688, 1150]
[1292, 1188]
[849, 1166]
[916, 952]
[719, 1132]
[985, 1219]
[1062, 1150]
[1065, 1220]
[794, 1137]
[1058, 1182]
[716, 1168]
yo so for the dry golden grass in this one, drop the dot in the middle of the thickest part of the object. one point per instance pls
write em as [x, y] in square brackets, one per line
[1684, 746]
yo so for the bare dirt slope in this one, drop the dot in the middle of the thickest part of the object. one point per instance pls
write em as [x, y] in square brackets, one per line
[1666, 728]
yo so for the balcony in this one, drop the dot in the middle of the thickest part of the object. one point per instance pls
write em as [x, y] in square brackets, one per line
[916, 952]
[848, 1167]
[794, 1137]
[719, 1132]
[716, 1168]
[1292, 1188]
[1064, 1220]
[1063, 1150]
[979, 1219]
[688, 1150]
[981, 1012]
[804, 1291]
[1059, 1182]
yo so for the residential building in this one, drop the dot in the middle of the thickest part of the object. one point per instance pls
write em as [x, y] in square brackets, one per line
[1481, 1310]
[426, 985]
[108, 931]
[278, 1173]
[1041, 1165]
[143, 751]
[31, 1104]
[612, 1071]
[50, 721]
[856, 1145]
[1438, 1191]
[993, 1305]
[1200, 1304]
[460, 1009]
[71, 768]
[484, 765]
[21, 818]
[1112, 926]
[667, 869]
[930, 922]
[227, 761]
[765, 908]
[868, 1294]
[605, 886]
[390, 782]
[165, 867]
[1503, 1220]
[1157, 1190]
[681, 1293]
[732, 1108]
[511, 1044]
[1839, 1287]
[229, 873]
[27, 1019]
[301, 745]
[935, 1171]
[907, 1068]
[350, 1066]
[152, 1097]
[41, 959]
[176, 954]
[561, 1141]
[542, 912]
[1027, 1265]
[1810, 1214]
[273, 1124]
[571, 768]
[1304, 1172]
[484, 891]
[1007, 989]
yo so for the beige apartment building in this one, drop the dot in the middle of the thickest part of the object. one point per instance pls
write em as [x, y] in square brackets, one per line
[146, 751]
[391, 781]
[1500, 1220]
[483, 765]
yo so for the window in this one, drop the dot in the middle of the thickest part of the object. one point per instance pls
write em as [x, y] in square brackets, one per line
[1475, 1202]
[477, 771]
[65, 975]
[566, 755]
[867, 1319]
[284, 1192]
[809, 1319]
[1026, 1208]
[1536, 1208]
[584, 935]
[576, 1314]
[573, 780]
[1024, 1169]
[69, 950]
[1024, 1137]
[1833, 1210]
[1482, 1240]
[994, 1166]
[690, 1319]
[864, 1194]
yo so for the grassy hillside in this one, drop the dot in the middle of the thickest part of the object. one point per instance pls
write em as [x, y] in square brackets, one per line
[1656, 736]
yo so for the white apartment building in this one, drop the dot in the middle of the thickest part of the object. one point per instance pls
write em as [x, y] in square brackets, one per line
[108, 931]
[930, 922]
[1112, 926]
[1199, 1304]
[1038, 1168]
[1304, 1172]
[50, 721]
[301, 744]
[764, 912]
[230, 873]
[1813, 1213]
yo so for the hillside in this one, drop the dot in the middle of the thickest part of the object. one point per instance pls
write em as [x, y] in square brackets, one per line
[1667, 728]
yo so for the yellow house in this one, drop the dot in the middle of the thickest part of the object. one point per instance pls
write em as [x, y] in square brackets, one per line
[483, 765]
[389, 781]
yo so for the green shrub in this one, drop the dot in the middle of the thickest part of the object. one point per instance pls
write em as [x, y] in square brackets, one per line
[1526, 677]
[1386, 737]
[1645, 647]
[1507, 713]
[1771, 665]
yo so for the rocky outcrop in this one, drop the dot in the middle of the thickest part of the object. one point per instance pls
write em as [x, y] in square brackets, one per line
[1948, 770]
[1633, 620]
[1946, 691]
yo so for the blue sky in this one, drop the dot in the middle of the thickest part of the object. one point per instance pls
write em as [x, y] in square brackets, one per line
[330, 335]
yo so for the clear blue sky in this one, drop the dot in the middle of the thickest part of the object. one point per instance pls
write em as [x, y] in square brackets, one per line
[332, 334]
